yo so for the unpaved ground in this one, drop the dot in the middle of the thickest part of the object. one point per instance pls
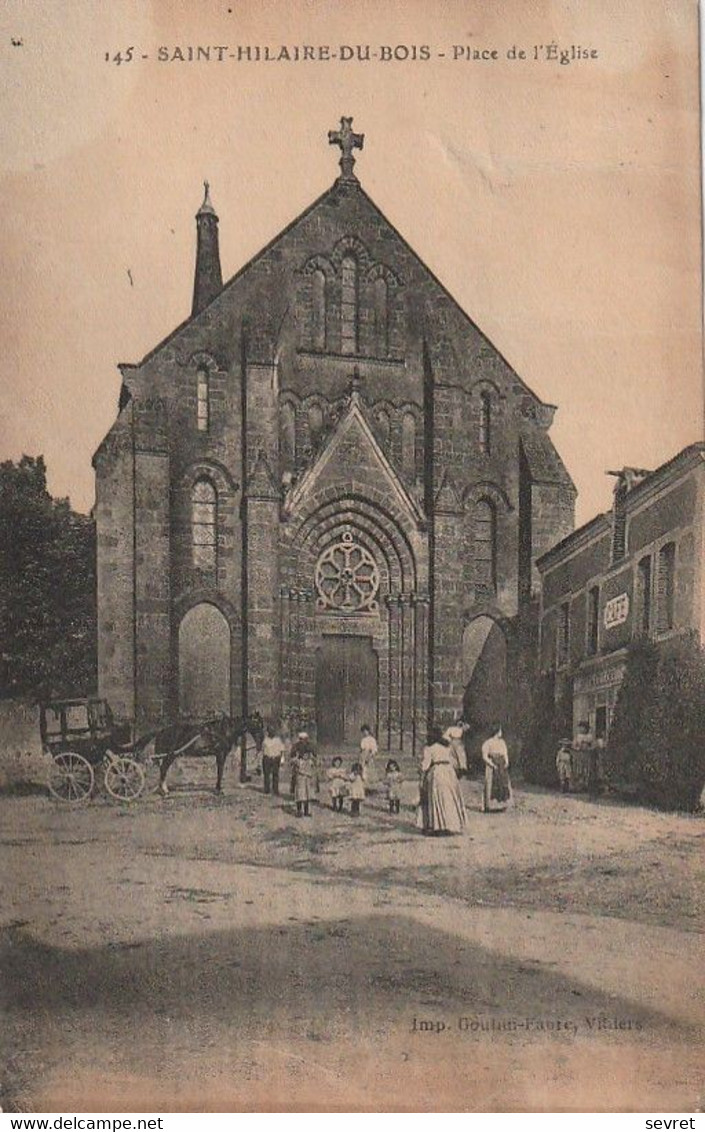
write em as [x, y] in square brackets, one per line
[199, 953]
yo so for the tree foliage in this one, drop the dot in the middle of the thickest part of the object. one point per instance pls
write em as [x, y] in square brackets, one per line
[551, 721]
[47, 588]
[656, 746]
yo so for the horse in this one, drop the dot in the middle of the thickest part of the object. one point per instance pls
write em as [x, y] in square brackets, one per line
[212, 738]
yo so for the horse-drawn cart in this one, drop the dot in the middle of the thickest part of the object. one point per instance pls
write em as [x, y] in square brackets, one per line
[87, 745]
[82, 738]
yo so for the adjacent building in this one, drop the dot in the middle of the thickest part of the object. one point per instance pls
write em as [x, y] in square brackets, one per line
[324, 493]
[637, 571]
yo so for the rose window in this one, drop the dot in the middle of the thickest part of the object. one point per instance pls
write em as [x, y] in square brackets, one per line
[347, 578]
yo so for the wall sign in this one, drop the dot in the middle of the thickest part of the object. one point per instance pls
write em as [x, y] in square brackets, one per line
[616, 611]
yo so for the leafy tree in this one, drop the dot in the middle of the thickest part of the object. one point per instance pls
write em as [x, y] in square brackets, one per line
[656, 741]
[47, 588]
[551, 721]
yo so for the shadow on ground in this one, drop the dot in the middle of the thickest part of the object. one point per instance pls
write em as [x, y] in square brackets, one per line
[218, 1018]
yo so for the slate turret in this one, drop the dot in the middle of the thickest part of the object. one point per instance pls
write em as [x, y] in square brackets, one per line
[209, 278]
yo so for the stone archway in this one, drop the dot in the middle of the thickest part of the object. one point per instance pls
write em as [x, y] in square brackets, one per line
[351, 606]
[485, 693]
[204, 662]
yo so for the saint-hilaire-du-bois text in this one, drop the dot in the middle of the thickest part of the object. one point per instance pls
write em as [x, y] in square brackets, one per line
[552, 52]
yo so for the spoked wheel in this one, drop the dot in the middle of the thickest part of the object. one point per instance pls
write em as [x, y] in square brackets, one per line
[71, 777]
[124, 779]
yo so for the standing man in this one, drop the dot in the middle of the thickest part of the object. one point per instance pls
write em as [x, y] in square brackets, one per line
[272, 751]
[496, 759]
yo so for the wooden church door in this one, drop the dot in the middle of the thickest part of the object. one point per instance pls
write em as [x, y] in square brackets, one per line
[346, 689]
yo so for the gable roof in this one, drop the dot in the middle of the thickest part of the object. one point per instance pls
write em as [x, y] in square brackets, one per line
[339, 186]
[354, 416]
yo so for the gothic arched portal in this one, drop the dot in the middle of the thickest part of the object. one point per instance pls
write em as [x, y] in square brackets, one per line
[204, 662]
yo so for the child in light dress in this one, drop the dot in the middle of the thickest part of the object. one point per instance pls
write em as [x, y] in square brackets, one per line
[337, 784]
[394, 779]
[564, 764]
[357, 788]
[368, 752]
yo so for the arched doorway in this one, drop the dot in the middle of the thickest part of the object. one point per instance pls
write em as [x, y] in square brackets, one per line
[485, 680]
[204, 663]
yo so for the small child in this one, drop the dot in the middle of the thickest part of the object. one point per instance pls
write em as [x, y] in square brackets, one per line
[305, 775]
[564, 764]
[337, 782]
[394, 780]
[357, 788]
[368, 752]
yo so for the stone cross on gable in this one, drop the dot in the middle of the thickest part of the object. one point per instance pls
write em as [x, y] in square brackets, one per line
[348, 140]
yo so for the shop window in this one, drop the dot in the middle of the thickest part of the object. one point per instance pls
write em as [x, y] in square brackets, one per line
[666, 588]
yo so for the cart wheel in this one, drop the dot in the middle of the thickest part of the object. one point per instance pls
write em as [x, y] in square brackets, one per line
[124, 779]
[71, 777]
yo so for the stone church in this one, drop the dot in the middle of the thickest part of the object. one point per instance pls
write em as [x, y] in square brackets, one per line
[324, 494]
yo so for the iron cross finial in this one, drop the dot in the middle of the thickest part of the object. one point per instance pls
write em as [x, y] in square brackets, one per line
[348, 140]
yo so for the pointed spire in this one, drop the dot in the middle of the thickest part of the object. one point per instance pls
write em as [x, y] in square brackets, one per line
[209, 278]
[207, 206]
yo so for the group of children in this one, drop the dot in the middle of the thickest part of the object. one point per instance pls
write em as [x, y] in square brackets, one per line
[342, 784]
[353, 785]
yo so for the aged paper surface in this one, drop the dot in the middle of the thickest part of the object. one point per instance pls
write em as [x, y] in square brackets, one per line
[213, 953]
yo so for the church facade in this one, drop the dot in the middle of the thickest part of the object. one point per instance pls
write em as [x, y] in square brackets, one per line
[324, 494]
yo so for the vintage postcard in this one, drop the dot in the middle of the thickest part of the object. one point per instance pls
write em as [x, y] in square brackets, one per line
[352, 546]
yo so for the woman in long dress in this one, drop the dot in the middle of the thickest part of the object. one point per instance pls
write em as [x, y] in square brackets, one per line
[455, 734]
[442, 807]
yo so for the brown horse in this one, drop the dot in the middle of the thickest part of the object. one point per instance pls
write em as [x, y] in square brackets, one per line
[214, 738]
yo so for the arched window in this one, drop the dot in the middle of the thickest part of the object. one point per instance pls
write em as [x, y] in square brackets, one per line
[408, 445]
[666, 588]
[318, 310]
[485, 547]
[485, 422]
[385, 427]
[348, 305]
[287, 432]
[381, 310]
[203, 401]
[204, 522]
[315, 424]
